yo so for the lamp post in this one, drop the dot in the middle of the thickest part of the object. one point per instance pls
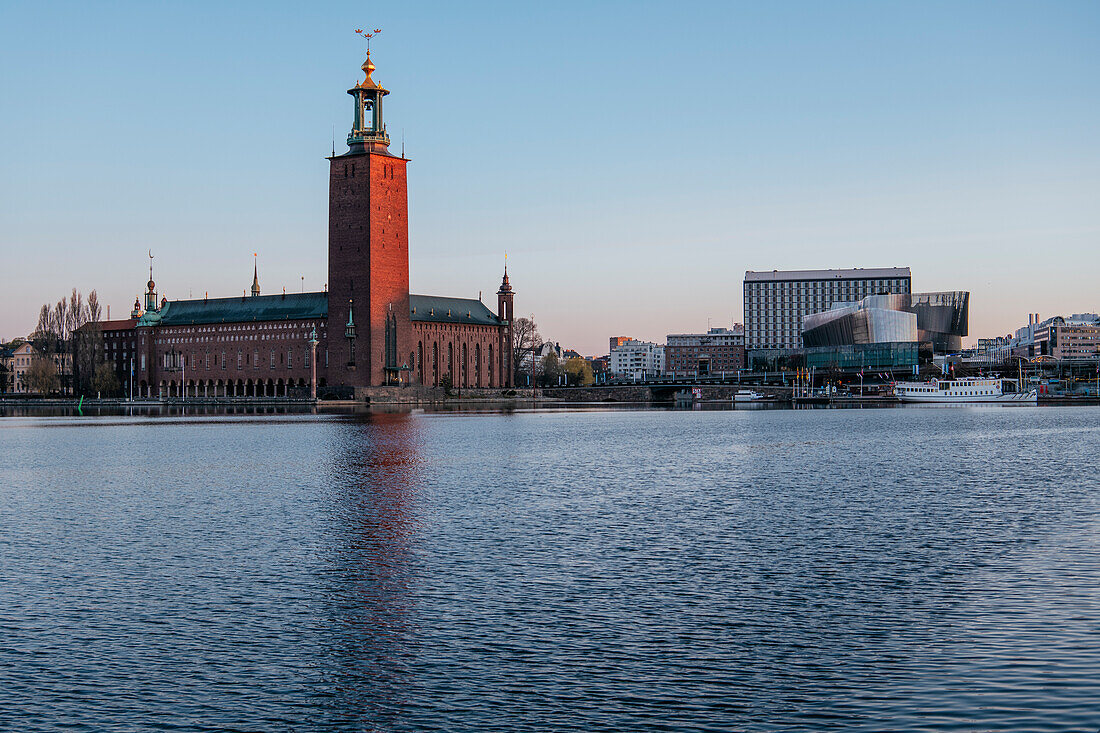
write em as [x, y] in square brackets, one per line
[313, 364]
[349, 334]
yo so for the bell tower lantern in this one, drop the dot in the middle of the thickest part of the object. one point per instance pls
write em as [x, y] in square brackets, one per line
[368, 130]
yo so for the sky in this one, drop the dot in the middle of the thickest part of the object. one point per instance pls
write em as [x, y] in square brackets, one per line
[633, 159]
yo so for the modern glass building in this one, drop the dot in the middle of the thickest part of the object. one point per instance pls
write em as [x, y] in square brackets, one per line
[777, 301]
[937, 318]
[864, 356]
[875, 319]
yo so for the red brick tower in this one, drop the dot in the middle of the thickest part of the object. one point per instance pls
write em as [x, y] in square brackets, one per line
[368, 251]
[504, 313]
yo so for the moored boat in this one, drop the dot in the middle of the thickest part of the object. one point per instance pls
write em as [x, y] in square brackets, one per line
[964, 391]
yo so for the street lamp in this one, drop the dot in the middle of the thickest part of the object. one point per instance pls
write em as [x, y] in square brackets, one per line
[313, 364]
[349, 334]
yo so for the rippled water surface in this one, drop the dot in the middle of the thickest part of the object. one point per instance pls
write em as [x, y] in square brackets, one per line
[869, 570]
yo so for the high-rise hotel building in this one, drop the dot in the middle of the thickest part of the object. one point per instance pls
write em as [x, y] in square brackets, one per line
[776, 301]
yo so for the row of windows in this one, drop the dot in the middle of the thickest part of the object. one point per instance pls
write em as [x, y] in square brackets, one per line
[819, 285]
[177, 360]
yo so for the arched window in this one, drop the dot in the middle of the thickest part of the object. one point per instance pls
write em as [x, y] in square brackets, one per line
[435, 364]
[477, 365]
[419, 361]
[465, 366]
[489, 365]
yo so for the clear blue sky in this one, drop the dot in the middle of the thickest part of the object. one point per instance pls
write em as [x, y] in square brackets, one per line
[633, 159]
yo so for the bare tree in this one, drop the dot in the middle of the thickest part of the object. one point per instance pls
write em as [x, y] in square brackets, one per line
[105, 382]
[41, 376]
[525, 339]
[63, 338]
[95, 310]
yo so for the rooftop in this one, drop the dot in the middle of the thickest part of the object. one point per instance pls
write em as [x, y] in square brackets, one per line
[240, 309]
[857, 273]
[439, 309]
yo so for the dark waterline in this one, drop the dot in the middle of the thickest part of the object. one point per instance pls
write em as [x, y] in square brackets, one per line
[898, 569]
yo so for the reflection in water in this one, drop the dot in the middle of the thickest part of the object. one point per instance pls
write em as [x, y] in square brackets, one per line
[826, 570]
[374, 468]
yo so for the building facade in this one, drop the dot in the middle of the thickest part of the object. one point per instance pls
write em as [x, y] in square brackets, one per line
[366, 330]
[637, 360]
[874, 319]
[1073, 337]
[776, 302]
[939, 319]
[17, 361]
[716, 352]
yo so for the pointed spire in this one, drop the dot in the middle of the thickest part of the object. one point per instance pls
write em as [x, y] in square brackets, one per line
[255, 274]
[504, 286]
[368, 69]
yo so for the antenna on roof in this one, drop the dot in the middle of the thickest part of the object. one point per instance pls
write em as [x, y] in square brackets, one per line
[402, 142]
[334, 140]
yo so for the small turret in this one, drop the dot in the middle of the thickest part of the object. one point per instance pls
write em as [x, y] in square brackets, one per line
[151, 296]
[151, 293]
[504, 297]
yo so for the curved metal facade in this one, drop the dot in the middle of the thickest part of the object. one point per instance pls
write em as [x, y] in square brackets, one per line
[942, 318]
[939, 318]
[875, 319]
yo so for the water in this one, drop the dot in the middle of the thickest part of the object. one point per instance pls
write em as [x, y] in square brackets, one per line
[868, 570]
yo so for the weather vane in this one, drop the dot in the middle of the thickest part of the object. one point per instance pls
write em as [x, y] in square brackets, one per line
[369, 35]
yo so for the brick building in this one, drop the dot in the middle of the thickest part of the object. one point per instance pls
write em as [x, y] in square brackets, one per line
[260, 345]
[716, 352]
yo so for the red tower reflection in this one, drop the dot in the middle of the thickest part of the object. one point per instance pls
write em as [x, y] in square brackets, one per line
[375, 481]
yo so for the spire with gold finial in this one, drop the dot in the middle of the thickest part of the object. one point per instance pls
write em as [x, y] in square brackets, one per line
[255, 274]
[505, 287]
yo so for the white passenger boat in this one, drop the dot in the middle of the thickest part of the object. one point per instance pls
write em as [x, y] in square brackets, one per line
[964, 390]
[747, 395]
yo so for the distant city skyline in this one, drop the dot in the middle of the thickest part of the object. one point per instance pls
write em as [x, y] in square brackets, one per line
[632, 162]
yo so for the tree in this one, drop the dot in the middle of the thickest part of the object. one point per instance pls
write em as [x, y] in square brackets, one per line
[41, 376]
[446, 383]
[579, 372]
[61, 335]
[105, 382]
[525, 339]
[550, 370]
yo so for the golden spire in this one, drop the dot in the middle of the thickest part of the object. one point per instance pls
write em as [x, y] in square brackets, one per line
[368, 66]
[368, 69]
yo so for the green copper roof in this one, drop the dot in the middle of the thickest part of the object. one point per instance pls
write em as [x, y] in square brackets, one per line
[287, 307]
[450, 310]
[294, 306]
